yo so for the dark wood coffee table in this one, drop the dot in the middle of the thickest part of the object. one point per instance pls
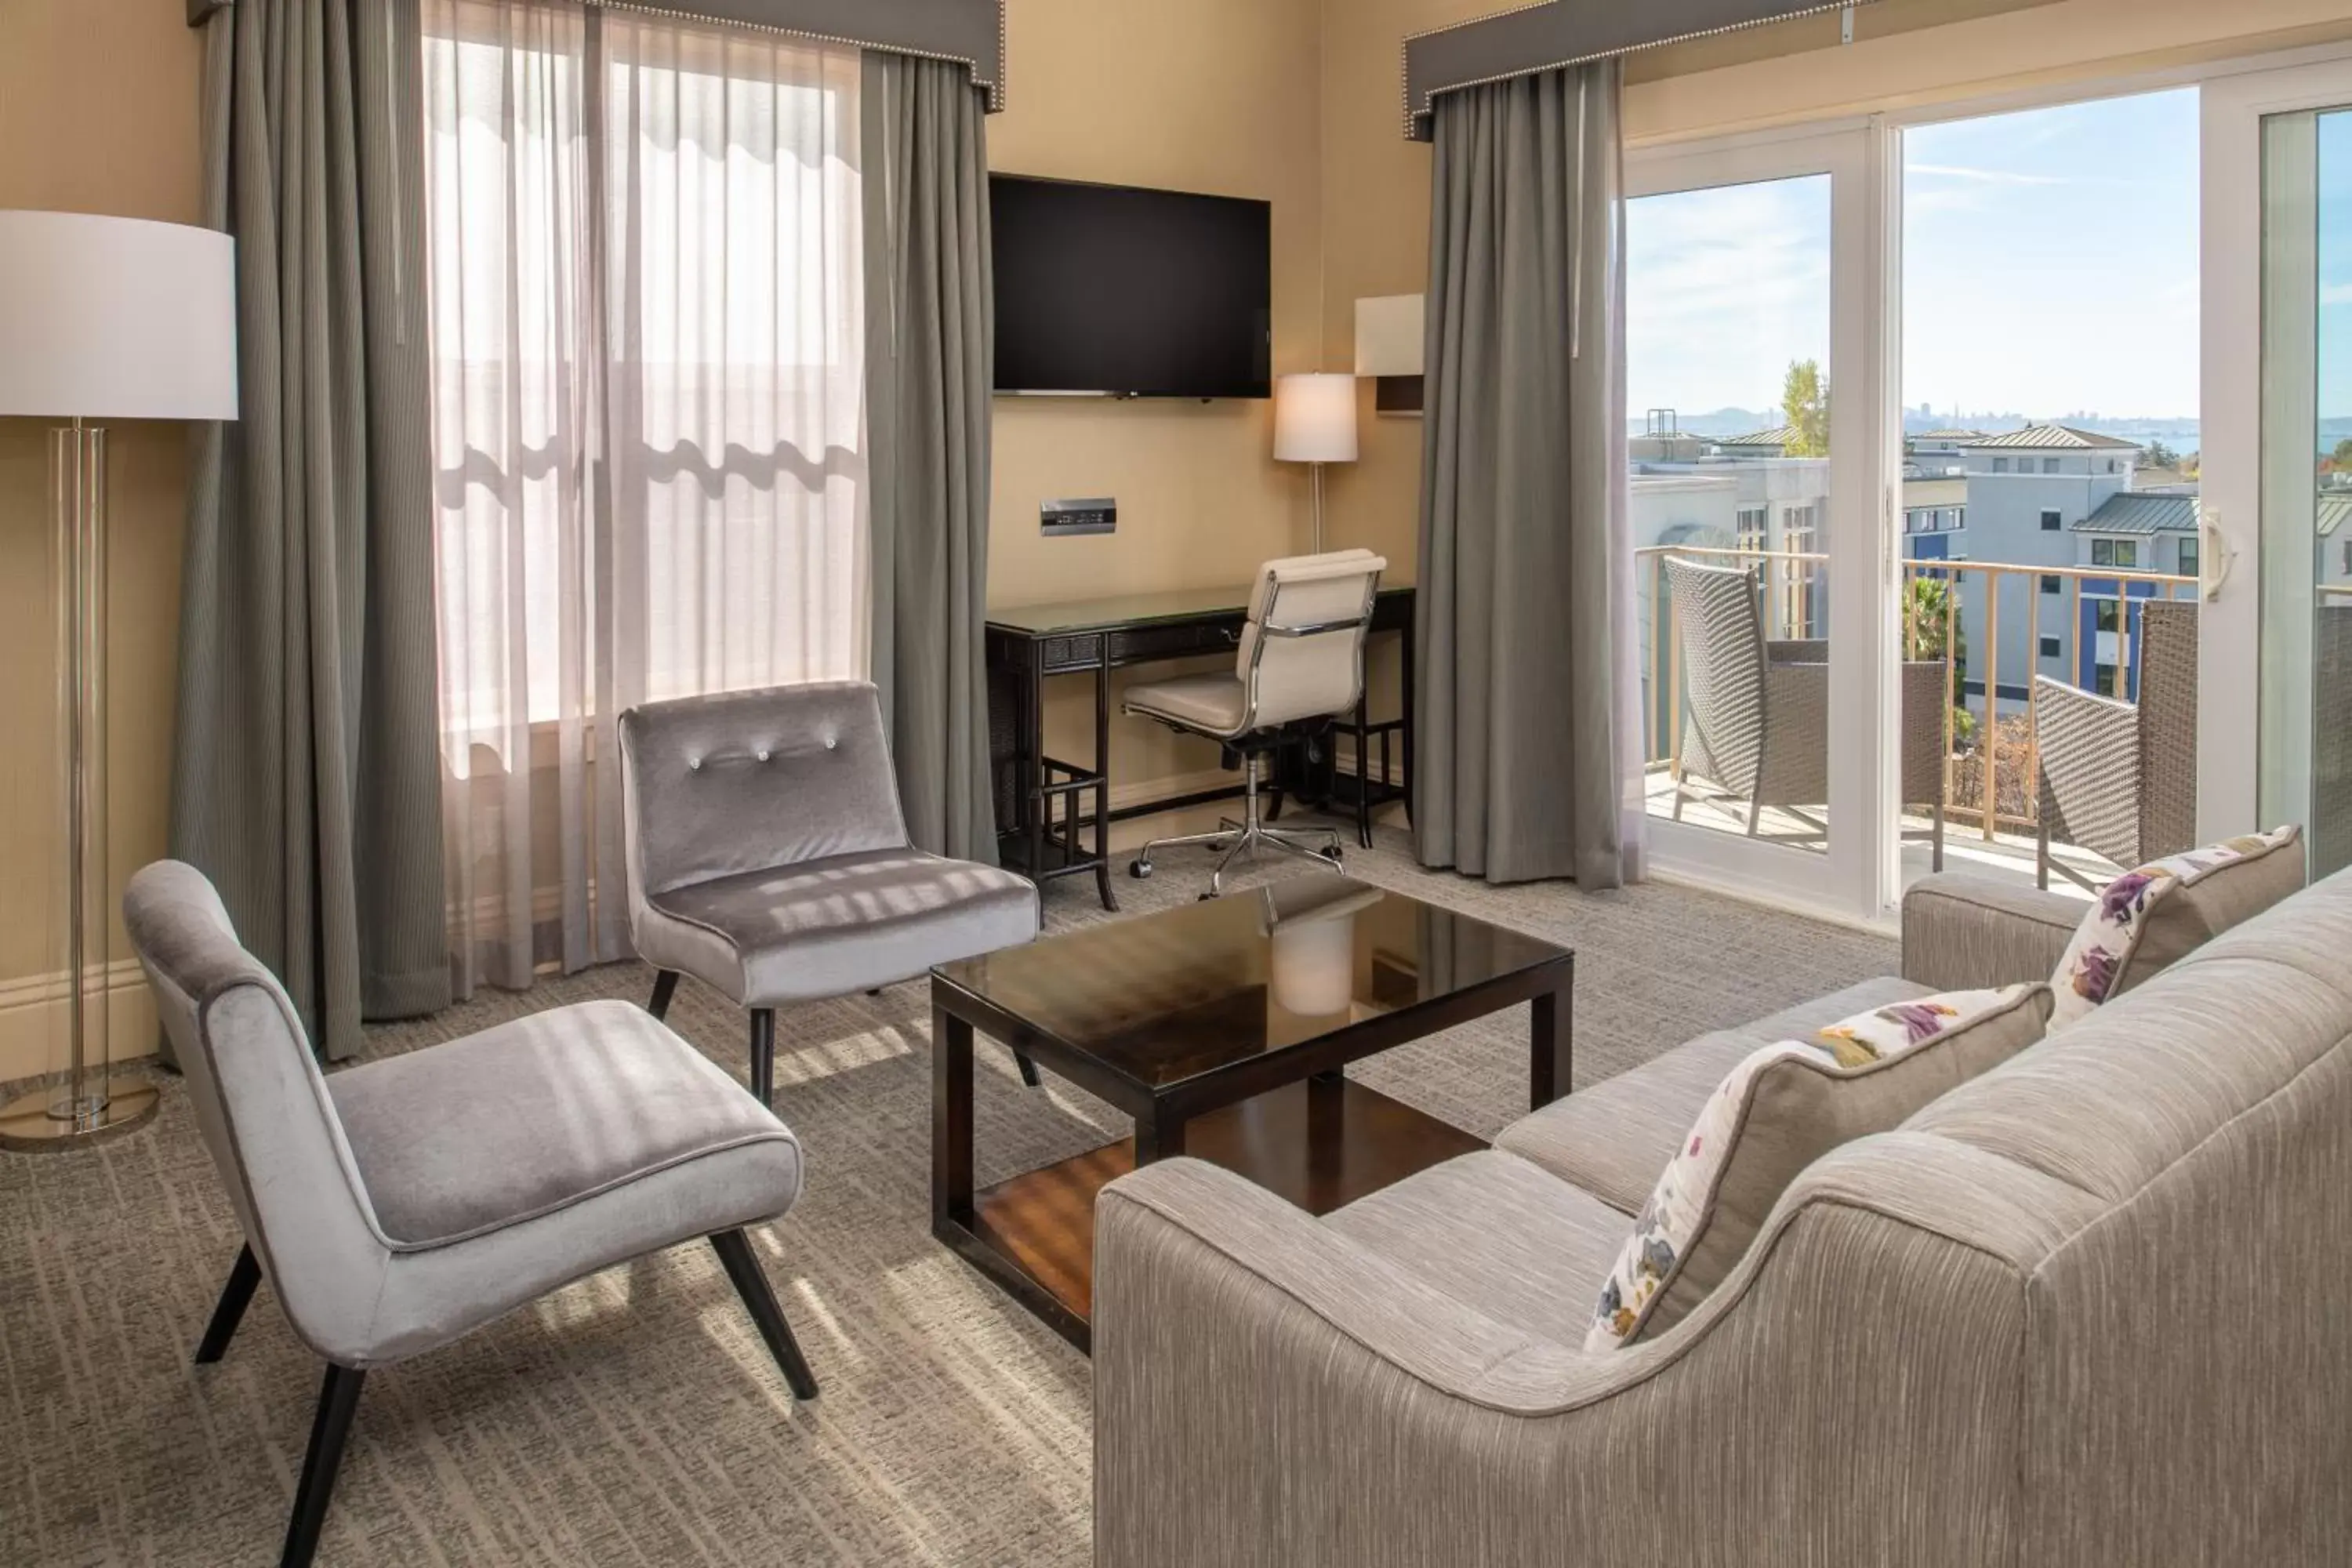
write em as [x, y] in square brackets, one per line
[1222, 1028]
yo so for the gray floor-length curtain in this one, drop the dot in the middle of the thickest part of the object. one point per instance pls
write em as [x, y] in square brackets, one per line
[306, 773]
[930, 353]
[1525, 599]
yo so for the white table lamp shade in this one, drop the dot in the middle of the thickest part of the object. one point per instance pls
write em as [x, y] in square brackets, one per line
[1315, 420]
[115, 318]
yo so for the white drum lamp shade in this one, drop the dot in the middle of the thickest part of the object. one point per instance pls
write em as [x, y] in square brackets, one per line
[115, 318]
[1315, 420]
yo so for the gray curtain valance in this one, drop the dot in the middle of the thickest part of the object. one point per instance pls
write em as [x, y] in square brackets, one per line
[1565, 33]
[970, 31]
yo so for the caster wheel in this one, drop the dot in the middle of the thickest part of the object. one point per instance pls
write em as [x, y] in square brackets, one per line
[1205, 898]
[1139, 870]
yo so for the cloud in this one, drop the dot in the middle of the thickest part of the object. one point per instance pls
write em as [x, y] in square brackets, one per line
[1984, 176]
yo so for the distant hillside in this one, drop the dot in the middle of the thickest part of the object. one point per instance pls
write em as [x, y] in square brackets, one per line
[2178, 433]
[1718, 424]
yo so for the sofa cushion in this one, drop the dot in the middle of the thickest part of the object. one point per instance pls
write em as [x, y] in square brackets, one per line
[1615, 1137]
[2149, 918]
[1776, 1112]
[1496, 1234]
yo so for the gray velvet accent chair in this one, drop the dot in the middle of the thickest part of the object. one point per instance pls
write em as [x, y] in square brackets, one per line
[1301, 658]
[769, 858]
[1756, 712]
[2119, 778]
[396, 1206]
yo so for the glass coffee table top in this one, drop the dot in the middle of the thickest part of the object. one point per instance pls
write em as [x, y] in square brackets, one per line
[1224, 1028]
[1186, 993]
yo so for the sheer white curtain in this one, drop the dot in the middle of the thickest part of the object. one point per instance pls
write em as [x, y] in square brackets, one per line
[648, 410]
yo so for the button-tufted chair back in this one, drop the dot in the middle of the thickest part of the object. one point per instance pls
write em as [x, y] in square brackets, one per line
[749, 780]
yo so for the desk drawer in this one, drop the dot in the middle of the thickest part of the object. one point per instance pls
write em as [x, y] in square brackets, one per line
[1082, 651]
[1181, 640]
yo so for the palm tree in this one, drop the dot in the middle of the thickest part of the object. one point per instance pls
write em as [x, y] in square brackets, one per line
[1931, 618]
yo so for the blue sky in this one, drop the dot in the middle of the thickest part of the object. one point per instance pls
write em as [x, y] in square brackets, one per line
[2335, 266]
[2050, 267]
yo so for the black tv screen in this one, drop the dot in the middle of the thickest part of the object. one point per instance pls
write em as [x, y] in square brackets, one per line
[1106, 289]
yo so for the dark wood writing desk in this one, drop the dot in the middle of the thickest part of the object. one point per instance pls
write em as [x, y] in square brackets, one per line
[1027, 644]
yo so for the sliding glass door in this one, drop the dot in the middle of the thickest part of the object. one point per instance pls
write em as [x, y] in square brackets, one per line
[2043, 401]
[2279, 564]
[2050, 482]
[1752, 277]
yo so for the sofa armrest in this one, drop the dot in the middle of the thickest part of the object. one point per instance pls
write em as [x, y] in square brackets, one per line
[1268, 1390]
[1268, 1259]
[1966, 933]
[1246, 1357]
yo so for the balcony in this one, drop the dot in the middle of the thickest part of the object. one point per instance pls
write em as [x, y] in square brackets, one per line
[1956, 613]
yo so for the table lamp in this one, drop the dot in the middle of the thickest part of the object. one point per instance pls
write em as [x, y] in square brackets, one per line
[1315, 423]
[101, 318]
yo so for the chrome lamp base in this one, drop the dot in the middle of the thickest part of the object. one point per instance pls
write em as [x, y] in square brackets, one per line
[54, 1118]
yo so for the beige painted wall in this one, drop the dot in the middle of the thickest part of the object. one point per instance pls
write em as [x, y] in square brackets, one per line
[98, 113]
[1216, 96]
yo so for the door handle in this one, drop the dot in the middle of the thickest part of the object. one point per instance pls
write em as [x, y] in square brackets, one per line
[2215, 559]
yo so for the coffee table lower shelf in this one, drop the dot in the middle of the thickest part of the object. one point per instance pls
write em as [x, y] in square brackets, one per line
[1320, 1144]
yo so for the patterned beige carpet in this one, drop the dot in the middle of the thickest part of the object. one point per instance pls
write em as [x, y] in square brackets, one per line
[634, 1417]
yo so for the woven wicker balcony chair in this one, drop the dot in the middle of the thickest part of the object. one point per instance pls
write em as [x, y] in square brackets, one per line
[2118, 778]
[1755, 713]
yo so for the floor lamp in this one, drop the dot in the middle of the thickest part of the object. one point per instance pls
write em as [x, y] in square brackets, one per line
[1315, 423]
[101, 318]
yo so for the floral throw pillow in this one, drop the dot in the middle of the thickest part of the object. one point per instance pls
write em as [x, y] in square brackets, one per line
[1781, 1108]
[2114, 949]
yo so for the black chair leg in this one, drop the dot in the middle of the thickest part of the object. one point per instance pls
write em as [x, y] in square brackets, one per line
[665, 987]
[339, 1399]
[734, 1249]
[1028, 1069]
[764, 1055]
[235, 1297]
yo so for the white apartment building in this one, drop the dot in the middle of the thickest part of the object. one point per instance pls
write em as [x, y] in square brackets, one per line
[2032, 499]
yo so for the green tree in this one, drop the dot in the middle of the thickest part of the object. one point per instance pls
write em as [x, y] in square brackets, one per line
[1931, 628]
[2159, 455]
[2342, 457]
[1805, 404]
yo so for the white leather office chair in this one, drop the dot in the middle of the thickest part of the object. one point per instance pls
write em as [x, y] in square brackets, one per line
[1301, 657]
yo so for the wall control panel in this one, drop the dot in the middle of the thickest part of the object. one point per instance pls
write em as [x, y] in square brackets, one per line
[1098, 514]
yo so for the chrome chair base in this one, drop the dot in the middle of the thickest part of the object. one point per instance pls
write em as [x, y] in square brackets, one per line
[1242, 840]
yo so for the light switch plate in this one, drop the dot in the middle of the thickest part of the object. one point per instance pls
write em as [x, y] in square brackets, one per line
[1098, 514]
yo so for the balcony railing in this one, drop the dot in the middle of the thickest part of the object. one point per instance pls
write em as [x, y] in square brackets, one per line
[1796, 596]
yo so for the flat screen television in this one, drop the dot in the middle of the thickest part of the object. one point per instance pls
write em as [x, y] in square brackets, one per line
[1132, 293]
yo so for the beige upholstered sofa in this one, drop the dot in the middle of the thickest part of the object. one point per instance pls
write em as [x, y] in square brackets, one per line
[2093, 1307]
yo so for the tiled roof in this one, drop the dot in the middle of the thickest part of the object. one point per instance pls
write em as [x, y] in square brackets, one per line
[2055, 438]
[2139, 511]
[1780, 437]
